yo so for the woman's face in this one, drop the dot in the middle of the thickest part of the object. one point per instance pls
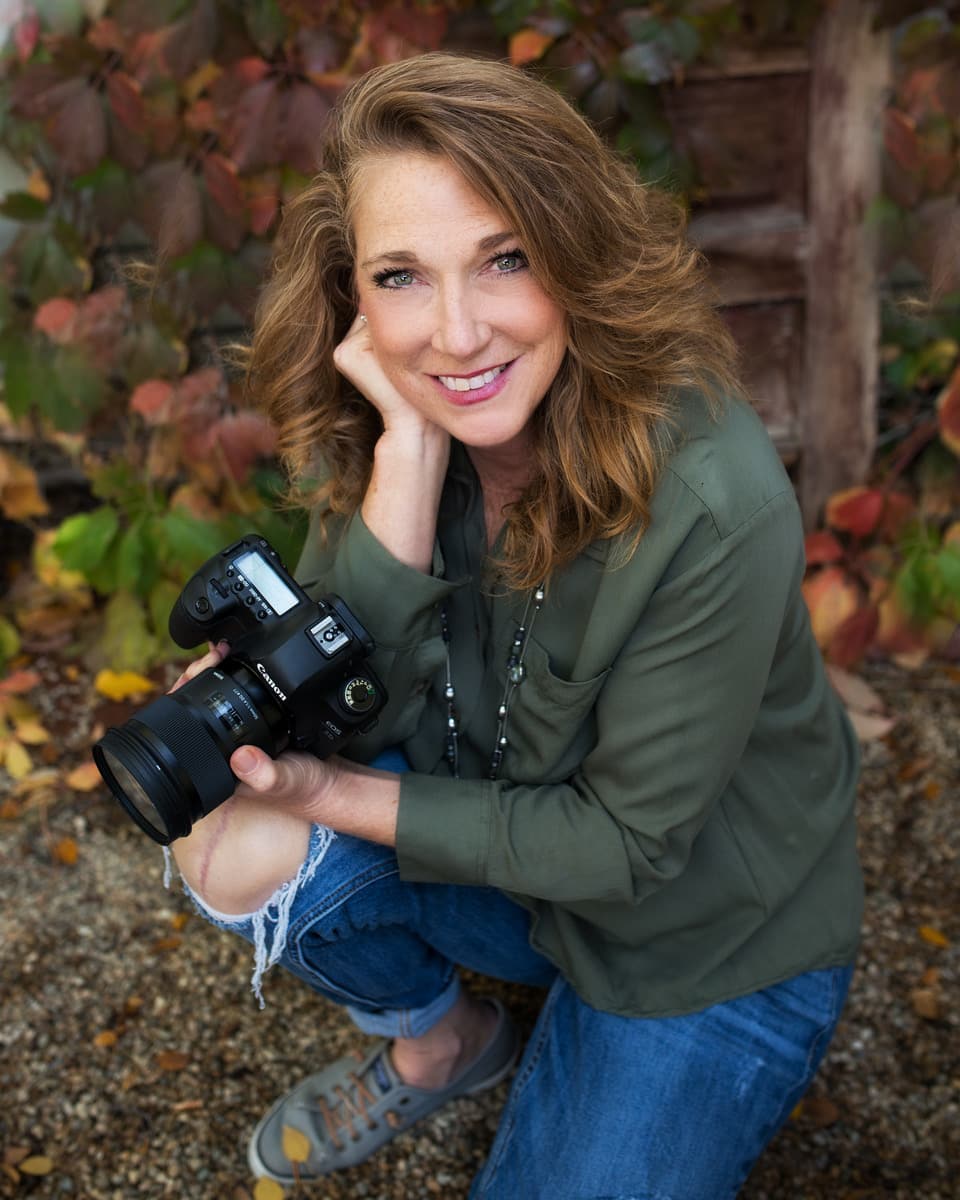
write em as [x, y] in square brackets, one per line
[459, 324]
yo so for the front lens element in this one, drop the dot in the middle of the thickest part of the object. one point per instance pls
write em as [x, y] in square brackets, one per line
[134, 794]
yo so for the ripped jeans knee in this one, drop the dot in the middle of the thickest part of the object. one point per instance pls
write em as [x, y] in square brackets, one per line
[267, 927]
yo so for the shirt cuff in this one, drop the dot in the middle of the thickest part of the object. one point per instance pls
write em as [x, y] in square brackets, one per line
[443, 829]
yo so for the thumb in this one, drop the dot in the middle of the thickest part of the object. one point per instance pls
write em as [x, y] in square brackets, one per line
[254, 768]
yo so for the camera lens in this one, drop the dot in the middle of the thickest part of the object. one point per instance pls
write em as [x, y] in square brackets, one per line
[169, 766]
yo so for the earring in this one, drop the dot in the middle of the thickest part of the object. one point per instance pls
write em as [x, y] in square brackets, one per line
[363, 318]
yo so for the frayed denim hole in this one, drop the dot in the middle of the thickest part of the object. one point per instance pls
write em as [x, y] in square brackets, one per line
[273, 915]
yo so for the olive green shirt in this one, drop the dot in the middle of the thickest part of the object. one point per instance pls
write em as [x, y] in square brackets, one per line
[675, 804]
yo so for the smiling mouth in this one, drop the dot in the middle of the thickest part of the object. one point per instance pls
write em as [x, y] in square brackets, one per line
[471, 383]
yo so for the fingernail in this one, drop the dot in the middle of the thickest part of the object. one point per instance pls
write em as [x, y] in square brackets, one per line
[244, 761]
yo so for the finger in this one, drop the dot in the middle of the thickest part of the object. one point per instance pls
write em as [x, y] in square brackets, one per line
[210, 659]
[256, 769]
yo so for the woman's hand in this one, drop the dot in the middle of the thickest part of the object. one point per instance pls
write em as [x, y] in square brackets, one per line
[299, 784]
[410, 460]
[215, 655]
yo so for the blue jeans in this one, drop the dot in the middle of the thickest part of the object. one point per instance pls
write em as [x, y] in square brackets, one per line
[602, 1107]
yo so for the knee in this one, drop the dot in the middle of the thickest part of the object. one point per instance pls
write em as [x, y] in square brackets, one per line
[237, 857]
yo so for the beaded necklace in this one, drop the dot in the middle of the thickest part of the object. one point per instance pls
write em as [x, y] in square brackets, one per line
[516, 673]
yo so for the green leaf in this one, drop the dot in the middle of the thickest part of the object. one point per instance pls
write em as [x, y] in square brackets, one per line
[136, 566]
[9, 641]
[26, 376]
[126, 643]
[684, 40]
[76, 391]
[647, 62]
[21, 206]
[266, 25]
[948, 564]
[83, 541]
[187, 542]
[160, 601]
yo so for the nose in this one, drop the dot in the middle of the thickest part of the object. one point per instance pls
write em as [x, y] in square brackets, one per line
[462, 326]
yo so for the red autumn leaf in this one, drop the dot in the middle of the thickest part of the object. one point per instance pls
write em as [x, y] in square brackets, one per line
[196, 391]
[248, 71]
[263, 202]
[223, 186]
[856, 510]
[191, 41]
[18, 683]
[948, 412]
[106, 36]
[822, 547]
[252, 133]
[832, 597]
[57, 319]
[126, 101]
[854, 636]
[242, 438]
[398, 31]
[305, 119]
[26, 35]
[78, 132]
[527, 45]
[900, 139]
[898, 508]
[153, 401]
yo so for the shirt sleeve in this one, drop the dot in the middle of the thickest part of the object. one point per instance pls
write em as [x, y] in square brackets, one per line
[699, 659]
[397, 605]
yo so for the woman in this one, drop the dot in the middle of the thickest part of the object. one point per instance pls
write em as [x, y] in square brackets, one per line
[623, 775]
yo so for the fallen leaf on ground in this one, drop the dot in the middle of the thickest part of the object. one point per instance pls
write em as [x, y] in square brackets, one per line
[84, 778]
[31, 732]
[296, 1146]
[854, 691]
[122, 685]
[933, 936]
[37, 1164]
[821, 1111]
[15, 759]
[172, 1060]
[18, 682]
[268, 1189]
[926, 1003]
[106, 1039]
[66, 852]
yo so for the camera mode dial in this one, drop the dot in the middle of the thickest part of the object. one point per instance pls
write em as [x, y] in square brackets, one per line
[359, 694]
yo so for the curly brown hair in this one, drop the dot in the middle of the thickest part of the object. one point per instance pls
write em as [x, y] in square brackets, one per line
[608, 249]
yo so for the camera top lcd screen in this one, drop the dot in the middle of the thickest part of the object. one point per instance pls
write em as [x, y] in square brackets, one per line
[267, 582]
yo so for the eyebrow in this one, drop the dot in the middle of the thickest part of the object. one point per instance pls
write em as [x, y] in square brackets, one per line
[490, 242]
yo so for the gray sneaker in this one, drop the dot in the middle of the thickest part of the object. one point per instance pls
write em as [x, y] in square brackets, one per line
[351, 1108]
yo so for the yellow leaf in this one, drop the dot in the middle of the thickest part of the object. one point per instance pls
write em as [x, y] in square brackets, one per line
[209, 72]
[66, 852]
[84, 778]
[32, 733]
[296, 1145]
[16, 759]
[20, 494]
[106, 1039]
[121, 685]
[933, 937]
[268, 1189]
[37, 1164]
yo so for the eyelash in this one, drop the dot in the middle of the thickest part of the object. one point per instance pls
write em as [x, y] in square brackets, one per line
[381, 278]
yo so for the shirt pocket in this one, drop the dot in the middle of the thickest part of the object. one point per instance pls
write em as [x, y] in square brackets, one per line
[552, 723]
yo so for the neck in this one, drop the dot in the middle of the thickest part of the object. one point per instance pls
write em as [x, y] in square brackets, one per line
[503, 469]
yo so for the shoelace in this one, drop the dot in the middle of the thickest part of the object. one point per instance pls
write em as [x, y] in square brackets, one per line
[354, 1107]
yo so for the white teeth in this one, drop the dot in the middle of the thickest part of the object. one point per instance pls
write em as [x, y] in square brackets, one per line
[458, 384]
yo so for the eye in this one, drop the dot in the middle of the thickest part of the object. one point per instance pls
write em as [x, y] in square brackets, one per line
[513, 260]
[393, 279]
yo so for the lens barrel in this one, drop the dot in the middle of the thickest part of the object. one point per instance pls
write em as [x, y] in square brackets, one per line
[169, 765]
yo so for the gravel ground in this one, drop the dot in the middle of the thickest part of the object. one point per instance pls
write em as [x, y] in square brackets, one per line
[133, 1056]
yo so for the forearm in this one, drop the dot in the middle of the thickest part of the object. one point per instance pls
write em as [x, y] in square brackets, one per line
[400, 506]
[363, 802]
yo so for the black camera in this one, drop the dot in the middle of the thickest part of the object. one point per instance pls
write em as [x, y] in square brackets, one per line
[296, 678]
